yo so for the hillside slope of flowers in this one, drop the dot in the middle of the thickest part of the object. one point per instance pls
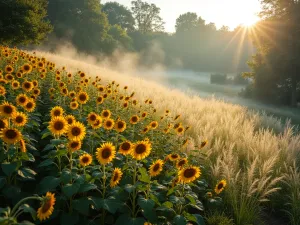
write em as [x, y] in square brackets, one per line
[80, 150]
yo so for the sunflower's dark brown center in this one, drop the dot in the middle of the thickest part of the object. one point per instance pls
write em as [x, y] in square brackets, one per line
[76, 131]
[36, 92]
[85, 159]
[82, 97]
[2, 124]
[15, 84]
[64, 91]
[181, 162]
[9, 69]
[19, 119]
[180, 129]
[72, 95]
[93, 117]
[144, 114]
[116, 176]
[153, 124]
[74, 144]
[34, 83]
[40, 64]
[46, 206]
[29, 105]
[203, 143]
[105, 96]
[101, 89]
[140, 148]
[156, 167]
[125, 146]
[56, 112]
[188, 173]
[7, 109]
[70, 120]
[220, 186]
[82, 75]
[58, 125]
[105, 114]
[26, 67]
[106, 153]
[99, 99]
[145, 129]
[11, 134]
[74, 104]
[22, 99]
[9, 77]
[57, 78]
[27, 85]
[134, 119]
[120, 124]
[108, 123]
[174, 156]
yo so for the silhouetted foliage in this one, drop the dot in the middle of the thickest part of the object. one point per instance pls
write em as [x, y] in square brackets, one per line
[23, 22]
[276, 66]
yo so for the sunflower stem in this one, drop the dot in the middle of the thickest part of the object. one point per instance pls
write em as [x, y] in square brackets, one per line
[13, 211]
[103, 194]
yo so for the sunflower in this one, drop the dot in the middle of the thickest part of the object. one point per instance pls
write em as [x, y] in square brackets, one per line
[51, 90]
[72, 94]
[180, 130]
[46, 209]
[22, 99]
[189, 174]
[19, 75]
[74, 145]
[185, 142]
[156, 168]
[220, 186]
[147, 223]
[120, 126]
[181, 162]
[74, 105]
[83, 97]
[2, 90]
[9, 77]
[98, 123]
[20, 119]
[57, 111]
[76, 131]
[36, 92]
[106, 113]
[3, 123]
[10, 135]
[141, 150]
[70, 119]
[27, 86]
[203, 144]
[85, 159]
[58, 125]
[22, 145]
[209, 194]
[145, 130]
[144, 114]
[64, 91]
[173, 157]
[92, 117]
[15, 85]
[125, 148]
[153, 125]
[134, 119]
[9, 69]
[99, 100]
[116, 177]
[35, 83]
[30, 105]
[7, 110]
[106, 153]
[109, 124]
[175, 181]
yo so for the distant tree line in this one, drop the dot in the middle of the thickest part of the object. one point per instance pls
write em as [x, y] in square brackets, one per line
[96, 28]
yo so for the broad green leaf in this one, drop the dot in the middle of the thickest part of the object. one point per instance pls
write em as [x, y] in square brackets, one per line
[168, 204]
[46, 135]
[144, 177]
[2, 182]
[82, 205]
[49, 147]
[129, 188]
[129, 221]
[111, 205]
[170, 191]
[70, 189]
[10, 168]
[27, 173]
[66, 176]
[87, 187]
[200, 220]
[48, 184]
[179, 220]
[27, 208]
[46, 162]
[146, 204]
[191, 198]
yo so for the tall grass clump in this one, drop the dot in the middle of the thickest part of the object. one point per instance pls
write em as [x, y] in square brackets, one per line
[252, 151]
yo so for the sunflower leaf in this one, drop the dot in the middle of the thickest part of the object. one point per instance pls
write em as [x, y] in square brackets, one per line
[27, 208]
[10, 168]
[144, 177]
[146, 204]
[70, 189]
[48, 184]
[179, 220]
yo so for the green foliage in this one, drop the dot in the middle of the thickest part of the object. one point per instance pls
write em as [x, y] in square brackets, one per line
[23, 22]
[219, 219]
[118, 14]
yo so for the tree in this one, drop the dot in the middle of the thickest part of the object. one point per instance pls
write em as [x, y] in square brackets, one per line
[80, 21]
[276, 66]
[147, 17]
[23, 22]
[120, 15]
[186, 22]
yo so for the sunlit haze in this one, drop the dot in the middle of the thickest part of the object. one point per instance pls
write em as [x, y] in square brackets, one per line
[230, 13]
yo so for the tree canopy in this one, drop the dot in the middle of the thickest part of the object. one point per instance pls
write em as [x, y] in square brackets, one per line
[23, 21]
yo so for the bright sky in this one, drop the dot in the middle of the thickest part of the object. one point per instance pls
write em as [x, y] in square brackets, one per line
[221, 12]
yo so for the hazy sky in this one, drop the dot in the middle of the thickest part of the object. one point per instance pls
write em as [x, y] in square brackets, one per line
[222, 12]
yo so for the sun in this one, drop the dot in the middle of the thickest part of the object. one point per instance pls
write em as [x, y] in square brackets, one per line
[250, 20]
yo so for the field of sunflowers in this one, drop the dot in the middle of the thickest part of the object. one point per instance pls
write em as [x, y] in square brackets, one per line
[77, 150]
